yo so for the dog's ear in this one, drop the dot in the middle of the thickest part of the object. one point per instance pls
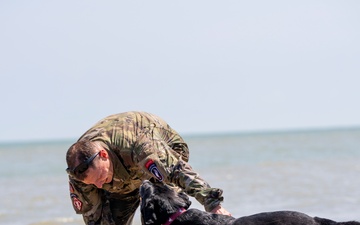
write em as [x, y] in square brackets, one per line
[186, 199]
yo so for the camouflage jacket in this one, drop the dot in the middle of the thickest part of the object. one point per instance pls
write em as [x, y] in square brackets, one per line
[141, 146]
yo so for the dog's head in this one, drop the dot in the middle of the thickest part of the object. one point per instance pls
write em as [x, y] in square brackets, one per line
[159, 202]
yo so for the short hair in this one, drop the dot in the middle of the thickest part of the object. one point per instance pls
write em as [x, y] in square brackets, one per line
[79, 152]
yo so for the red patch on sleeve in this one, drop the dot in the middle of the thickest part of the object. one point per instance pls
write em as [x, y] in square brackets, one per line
[77, 203]
[148, 163]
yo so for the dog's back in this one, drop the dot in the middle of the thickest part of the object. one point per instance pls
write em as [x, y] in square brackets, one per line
[277, 217]
[286, 218]
[323, 221]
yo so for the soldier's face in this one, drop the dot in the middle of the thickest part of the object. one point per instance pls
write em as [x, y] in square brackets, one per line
[101, 172]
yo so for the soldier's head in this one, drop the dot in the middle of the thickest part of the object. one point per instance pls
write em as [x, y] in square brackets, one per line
[89, 162]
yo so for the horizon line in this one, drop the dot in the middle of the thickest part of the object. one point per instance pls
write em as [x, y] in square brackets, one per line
[201, 134]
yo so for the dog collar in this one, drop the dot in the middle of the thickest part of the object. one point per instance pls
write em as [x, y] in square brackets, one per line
[174, 216]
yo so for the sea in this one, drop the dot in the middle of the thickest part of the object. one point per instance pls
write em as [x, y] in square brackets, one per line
[316, 172]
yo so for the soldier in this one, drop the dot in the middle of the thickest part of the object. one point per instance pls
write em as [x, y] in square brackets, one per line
[108, 163]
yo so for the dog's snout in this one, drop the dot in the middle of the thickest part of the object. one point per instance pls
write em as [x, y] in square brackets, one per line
[145, 187]
[146, 182]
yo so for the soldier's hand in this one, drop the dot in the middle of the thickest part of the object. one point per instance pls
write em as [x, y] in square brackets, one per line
[220, 210]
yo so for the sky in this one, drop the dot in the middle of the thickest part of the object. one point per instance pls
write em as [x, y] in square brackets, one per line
[203, 66]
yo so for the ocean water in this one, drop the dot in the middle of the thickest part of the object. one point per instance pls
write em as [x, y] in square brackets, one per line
[315, 172]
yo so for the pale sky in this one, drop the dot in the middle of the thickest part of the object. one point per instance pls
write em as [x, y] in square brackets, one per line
[203, 66]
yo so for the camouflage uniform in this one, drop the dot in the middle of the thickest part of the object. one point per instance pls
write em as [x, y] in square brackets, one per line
[141, 146]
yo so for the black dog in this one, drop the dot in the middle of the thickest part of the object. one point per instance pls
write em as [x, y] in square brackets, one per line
[160, 204]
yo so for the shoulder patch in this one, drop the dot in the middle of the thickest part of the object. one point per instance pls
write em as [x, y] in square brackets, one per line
[151, 166]
[77, 203]
[74, 198]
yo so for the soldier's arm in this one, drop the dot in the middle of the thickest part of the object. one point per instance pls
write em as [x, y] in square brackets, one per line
[156, 158]
[184, 176]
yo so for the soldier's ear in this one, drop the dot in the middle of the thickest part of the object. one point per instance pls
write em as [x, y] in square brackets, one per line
[104, 154]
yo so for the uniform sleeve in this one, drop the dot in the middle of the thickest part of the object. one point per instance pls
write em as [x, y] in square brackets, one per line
[89, 201]
[155, 157]
[185, 177]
